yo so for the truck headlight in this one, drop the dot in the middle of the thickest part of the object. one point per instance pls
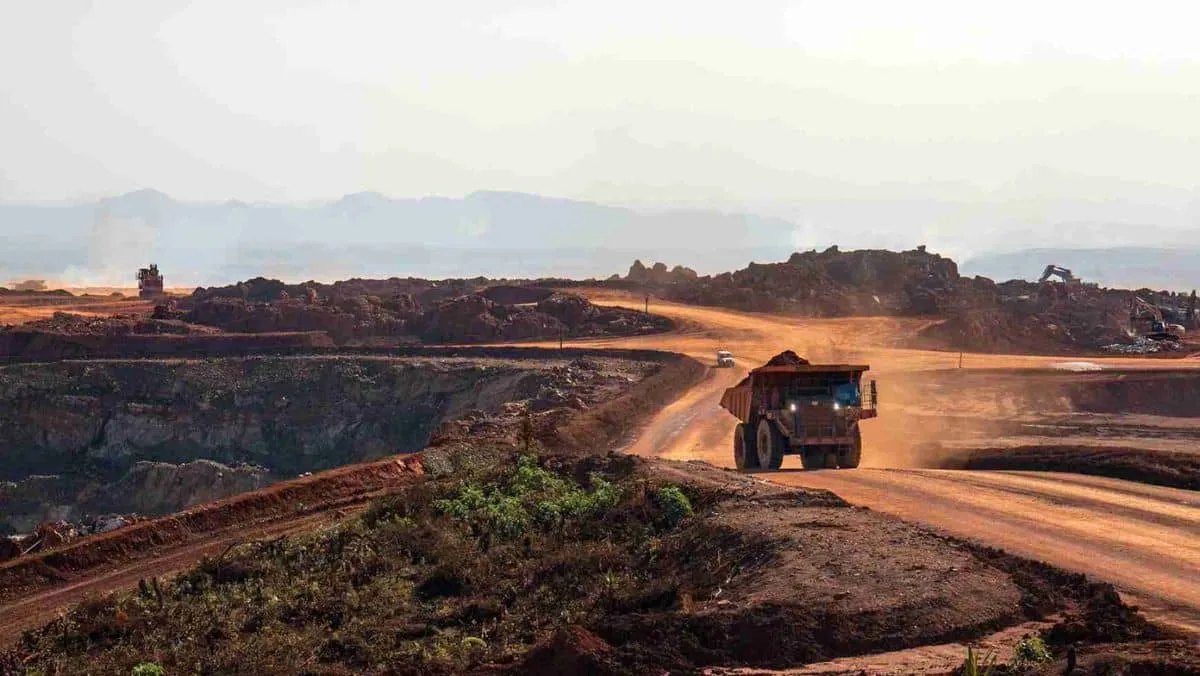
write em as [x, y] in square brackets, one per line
[793, 408]
[836, 406]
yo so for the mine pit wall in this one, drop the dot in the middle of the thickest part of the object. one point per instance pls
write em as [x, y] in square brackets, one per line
[597, 429]
[927, 417]
[1161, 392]
[22, 346]
[1170, 393]
[147, 436]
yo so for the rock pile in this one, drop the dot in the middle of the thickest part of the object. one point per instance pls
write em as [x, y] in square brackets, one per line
[979, 314]
[456, 311]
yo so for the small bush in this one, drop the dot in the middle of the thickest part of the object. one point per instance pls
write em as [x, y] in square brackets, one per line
[674, 504]
[1029, 651]
[529, 495]
[148, 669]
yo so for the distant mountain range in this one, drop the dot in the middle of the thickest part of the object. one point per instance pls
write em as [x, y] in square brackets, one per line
[492, 234]
[1175, 269]
[496, 234]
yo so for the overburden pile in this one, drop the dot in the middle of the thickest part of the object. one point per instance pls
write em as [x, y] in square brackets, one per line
[976, 313]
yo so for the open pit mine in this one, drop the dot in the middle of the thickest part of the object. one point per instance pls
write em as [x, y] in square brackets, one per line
[920, 472]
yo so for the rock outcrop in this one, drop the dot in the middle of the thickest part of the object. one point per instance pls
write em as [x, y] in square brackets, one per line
[658, 274]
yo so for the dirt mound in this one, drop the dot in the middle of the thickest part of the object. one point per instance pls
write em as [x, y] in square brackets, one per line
[572, 650]
[787, 358]
[342, 319]
[70, 324]
[466, 319]
[831, 283]
[421, 291]
[474, 318]
[455, 311]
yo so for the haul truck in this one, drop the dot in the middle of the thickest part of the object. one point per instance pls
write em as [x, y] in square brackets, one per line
[792, 407]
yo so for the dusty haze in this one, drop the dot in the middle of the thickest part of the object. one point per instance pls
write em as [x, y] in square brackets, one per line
[969, 128]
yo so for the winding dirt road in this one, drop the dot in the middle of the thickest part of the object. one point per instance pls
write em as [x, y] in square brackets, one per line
[1144, 539]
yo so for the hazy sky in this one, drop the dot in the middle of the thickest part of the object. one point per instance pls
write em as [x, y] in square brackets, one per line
[1040, 111]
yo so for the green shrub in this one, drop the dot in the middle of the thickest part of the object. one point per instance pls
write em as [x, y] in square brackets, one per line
[148, 669]
[1030, 650]
[674, 504]
[530, 494]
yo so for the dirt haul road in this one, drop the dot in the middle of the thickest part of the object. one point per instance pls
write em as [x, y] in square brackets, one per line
[1145, 539]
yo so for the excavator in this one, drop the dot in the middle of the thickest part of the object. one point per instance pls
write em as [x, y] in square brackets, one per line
[1060, 272]
[1140, 310]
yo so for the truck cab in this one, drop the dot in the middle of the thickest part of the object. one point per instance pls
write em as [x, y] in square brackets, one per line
[724, 359]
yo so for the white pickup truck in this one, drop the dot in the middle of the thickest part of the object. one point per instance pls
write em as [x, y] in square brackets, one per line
[724, 359]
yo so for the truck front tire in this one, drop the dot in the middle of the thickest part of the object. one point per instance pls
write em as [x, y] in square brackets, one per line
[770, 445]
[850, 456]
[745, 456]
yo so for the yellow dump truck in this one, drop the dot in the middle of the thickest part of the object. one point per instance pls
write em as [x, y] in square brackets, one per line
[792, 407]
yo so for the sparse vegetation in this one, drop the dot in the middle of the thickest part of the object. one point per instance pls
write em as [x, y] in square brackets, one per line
[448, 575]
[674, 503]
[1030, 651]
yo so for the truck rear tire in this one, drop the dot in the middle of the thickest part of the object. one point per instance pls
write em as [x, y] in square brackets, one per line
[850, 456]
[770, 445]
[744, 454]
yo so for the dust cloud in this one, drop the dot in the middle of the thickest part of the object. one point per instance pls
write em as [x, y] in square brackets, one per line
[117, 247]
